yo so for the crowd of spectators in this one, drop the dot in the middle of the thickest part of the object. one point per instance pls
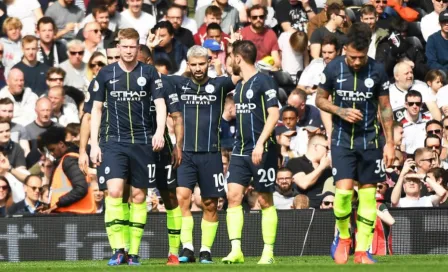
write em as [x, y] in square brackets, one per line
[51, 50]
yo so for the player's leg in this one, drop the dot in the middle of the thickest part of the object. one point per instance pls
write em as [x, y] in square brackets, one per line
[113, 171]
[125, 205]
[142, 171]
[211, 183]
[166, 180]
[344, 173]
[187, 178]
[371, 171]
[237, 181]
[264, 182]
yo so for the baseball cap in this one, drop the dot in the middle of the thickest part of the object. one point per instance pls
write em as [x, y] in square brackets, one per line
[281, 129]
[443, 16]
[212, 45]
[313, 125]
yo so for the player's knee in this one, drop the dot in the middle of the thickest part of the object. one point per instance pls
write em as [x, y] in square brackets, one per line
[115, 192]
[169, 198]
[234, 198]
[210, 204]
[138, 196]
[265, 200]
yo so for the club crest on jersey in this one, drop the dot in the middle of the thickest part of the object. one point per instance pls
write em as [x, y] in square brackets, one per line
[141, 81]
[96, 86]
[369, 82]
[101, 180]
[209, 88]
[249, 94]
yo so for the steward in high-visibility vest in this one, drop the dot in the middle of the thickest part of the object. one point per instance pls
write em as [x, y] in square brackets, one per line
[69, 189]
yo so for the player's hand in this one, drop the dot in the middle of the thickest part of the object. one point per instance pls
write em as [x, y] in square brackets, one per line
[257, 154]
[350, 115]
[158, 142]
[95, 155]
[176, 159]
[83, 162]
[389, 154]
[407, 166]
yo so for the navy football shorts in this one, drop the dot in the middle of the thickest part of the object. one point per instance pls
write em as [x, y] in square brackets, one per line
[166, 175]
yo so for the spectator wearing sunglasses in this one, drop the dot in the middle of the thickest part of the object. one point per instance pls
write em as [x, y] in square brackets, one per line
[74, 67]
[414, 122]
[92, 40]
[311, 171]
[327, 201]
[434, 143]
[31, 204]
[61, 112]
[101, 16]
[6, 200]
[430, 22]
[425, 159]
[34, 70]
[434, 127]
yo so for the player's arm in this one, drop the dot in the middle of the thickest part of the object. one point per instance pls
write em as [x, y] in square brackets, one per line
[271, 122]
[84, 135]
[179, 133]
[387, 119]
[348, 114]
[158, 140]
[95, 119]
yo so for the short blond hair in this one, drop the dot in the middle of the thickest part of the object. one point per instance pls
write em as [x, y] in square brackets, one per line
[129, 34]
[12, 23]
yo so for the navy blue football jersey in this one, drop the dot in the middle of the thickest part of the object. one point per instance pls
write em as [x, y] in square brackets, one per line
[202, 107]
[127, 98]
[252, 99]
[359, 90]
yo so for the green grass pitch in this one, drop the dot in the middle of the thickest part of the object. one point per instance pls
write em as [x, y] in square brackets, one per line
[407, 263]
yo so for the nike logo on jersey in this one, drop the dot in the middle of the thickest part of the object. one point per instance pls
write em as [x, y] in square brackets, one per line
[152, 180]
[382, 175]
[170, 181]
[341, 80]
[220, 190]
[113, 81]
[267, 185]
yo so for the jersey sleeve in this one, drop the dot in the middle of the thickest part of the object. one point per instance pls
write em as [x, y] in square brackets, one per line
[228, 85]
[99, 88]
[155, 84]
[269, 93]
[384, 82]
[171, 97]
[382, 207]
[326, 79]
[88, 101]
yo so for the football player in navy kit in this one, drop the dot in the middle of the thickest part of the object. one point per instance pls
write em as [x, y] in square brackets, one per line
[254, 154]
[359, 88]
[125, 148]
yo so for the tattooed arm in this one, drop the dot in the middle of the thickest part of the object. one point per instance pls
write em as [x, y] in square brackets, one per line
[387, 119]
[348, 114]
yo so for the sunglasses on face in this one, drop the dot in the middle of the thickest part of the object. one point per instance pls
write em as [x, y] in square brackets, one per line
[56, 79]
[411, 104]
[113, 58]
[34, 188]
[73, 53]
[99, 64]
[378, 2]
[96, 31]
[435, 131]
[397, 167]
[430, 160]
[255, 17]
[444, 1]
[4, 187]
[433, 146]
[327, 203]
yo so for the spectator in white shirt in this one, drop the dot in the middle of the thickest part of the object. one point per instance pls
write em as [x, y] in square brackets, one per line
[116, 20]
[28, 11]
[404, 81]
[412, 185]
[414, 122]
[24, 99]
[294, 51]
[434, 143]
[92, 36]
[430, 22]
[139, 20]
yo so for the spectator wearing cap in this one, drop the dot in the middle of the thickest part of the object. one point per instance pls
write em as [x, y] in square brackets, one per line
[175, 16]
[216, 65]
[404, 81]
[31, 204]
[265, 39]
[336, 18]
[327, 201]
[430, 22]
[321, 19]
[311, 171]
[284, 193]
[414, 122]
[437, 45]
[283, 135]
